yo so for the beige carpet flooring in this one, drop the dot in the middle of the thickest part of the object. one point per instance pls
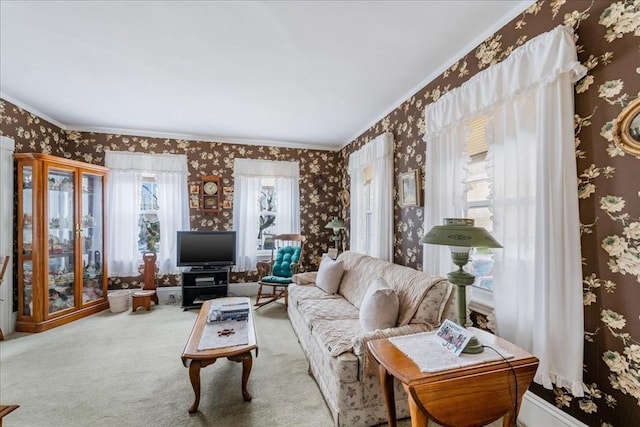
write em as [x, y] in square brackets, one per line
[124, 369]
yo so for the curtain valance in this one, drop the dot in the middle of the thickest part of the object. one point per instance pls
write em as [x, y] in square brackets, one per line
[266, 168]
[143, 162]
[537, 62]
[376, 150]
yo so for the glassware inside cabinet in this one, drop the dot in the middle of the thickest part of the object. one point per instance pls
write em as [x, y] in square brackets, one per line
[92, 232]
[27, 290]
[61, 239]
[27, 210]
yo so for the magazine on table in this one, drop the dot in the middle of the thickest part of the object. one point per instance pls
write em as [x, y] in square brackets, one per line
[453, 336]
[224, 312]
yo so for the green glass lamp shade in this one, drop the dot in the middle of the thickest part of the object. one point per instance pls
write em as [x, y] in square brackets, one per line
[337, 225]
[461, 235]
[460, 232]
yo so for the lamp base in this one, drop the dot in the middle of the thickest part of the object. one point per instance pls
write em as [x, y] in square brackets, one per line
[473, 346]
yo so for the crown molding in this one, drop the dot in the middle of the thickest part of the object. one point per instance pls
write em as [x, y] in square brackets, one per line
[517, 10]
[169, 135]
[32, 110]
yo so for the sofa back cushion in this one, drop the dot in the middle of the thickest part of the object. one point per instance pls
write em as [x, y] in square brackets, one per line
[359, 272]
[413, 287]
[379, 309]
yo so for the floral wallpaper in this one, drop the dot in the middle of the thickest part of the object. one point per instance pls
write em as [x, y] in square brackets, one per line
[319, 182]
[607, 36]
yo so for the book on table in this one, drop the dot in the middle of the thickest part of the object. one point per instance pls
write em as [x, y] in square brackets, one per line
[224, 312]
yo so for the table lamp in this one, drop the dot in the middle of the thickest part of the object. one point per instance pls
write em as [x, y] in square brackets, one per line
[337, 225]
[461, 235]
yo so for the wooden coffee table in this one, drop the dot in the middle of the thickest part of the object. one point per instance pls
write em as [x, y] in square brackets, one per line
[472, 395]
[195, 359]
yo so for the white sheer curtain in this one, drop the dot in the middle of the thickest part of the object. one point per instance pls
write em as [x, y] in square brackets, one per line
[444, 191]
[248, 174]
[173, 213]
[288, 208]
[123, 208]
[378, 156]
[123, 211]
[532, 170]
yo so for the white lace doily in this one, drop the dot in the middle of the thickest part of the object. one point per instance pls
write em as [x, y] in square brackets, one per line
[426, 351]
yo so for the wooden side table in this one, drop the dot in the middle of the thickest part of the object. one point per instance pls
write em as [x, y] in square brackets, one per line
[469, 396]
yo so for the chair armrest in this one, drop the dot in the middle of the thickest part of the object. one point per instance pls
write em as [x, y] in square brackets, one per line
[264, 268]
[295, 266]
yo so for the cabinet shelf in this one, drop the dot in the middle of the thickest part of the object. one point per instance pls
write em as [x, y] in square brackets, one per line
[201, 285]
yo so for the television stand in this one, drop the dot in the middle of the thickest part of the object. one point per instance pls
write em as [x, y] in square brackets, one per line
[201, 284]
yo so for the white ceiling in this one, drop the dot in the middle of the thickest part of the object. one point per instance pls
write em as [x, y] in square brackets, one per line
[291, 73]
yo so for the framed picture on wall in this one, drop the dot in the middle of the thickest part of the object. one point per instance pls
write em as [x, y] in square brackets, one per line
[409, 189]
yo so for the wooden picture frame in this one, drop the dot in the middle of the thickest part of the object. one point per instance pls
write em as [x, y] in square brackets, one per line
[409, 189]
[194, 189]
[194, 201]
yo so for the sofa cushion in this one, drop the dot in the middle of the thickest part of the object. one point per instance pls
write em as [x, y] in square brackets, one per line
[299, 293]
[329, 275]
[306, 278]
[319, 310]
[336, 336]
[359, 272]
[379, 309]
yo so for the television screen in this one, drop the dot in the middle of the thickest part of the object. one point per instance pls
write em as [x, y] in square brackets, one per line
[206, 248]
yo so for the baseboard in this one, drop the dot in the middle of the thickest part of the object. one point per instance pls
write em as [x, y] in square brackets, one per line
[537, 412]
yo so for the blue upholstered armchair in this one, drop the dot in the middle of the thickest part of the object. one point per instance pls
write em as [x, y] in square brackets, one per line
[286, 260]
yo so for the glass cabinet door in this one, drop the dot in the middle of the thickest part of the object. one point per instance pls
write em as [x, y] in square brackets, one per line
[26, 302]
[91, 234]
[61, 241]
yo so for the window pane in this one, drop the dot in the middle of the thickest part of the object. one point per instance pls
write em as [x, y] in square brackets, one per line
[148, 222]
[268, 210]
[149, 196]
[478, 191]
[149, 235]
[482, 217]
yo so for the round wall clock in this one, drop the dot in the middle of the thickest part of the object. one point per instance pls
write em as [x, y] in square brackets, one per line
[210, 188]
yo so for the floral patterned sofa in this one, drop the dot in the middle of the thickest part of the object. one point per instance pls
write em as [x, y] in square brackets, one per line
[334, 343]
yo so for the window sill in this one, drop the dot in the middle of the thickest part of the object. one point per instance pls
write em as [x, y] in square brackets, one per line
[480, 300]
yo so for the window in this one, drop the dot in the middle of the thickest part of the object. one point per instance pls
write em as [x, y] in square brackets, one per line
[148, 222]
[368, 211]
[477, 199]
[147, 193]
[268, 211]
[371, 215]
[266, 203]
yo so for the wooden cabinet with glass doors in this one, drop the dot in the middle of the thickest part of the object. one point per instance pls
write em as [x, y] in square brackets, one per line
[61, 273]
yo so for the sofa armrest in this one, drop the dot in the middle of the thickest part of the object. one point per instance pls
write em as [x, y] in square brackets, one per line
[360, 342]
[308, 278]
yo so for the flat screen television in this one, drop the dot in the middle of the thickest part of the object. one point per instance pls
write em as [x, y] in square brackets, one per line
[202, 249]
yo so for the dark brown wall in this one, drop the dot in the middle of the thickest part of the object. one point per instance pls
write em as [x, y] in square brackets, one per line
[318, 204]
[609, 185]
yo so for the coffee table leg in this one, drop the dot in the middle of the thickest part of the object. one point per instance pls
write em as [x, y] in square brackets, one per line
[194, 376]
[247, 363]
